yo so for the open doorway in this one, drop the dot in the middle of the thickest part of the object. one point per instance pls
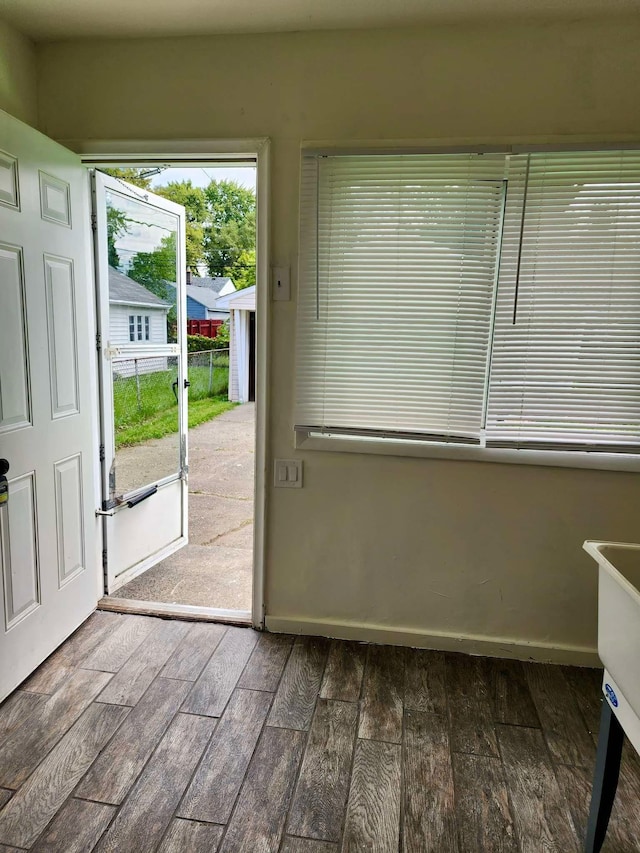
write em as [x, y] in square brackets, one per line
[214, 571]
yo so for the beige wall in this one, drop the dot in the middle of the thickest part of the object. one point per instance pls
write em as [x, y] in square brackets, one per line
[433, 547]
[18, 87]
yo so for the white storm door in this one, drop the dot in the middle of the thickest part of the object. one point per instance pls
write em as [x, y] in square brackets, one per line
[141, 285]
[48, 544]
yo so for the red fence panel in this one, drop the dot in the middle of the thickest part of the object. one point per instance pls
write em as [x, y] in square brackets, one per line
[206, 328]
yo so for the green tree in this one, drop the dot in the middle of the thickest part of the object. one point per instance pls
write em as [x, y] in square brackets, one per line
[154, 269]
[116, 226]
[243, 272]
[228, 201]
[230, 236]
[194, 201]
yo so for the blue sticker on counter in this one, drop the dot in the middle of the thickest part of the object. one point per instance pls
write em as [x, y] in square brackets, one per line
[611, 695]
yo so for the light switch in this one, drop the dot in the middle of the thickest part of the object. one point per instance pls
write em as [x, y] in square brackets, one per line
[280, 284]
[287, 473]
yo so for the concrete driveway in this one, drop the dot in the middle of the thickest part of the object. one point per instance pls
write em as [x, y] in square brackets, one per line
[215, 568]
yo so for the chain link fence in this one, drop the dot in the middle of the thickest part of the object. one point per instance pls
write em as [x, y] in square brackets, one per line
[144, 388]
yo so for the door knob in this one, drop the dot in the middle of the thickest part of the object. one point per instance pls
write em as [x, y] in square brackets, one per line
[4, 483]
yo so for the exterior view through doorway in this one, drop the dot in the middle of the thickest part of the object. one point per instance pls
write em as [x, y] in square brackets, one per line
[207, 310]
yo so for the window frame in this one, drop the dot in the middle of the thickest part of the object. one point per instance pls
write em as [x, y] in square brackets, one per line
[139, 328]
[309, 439]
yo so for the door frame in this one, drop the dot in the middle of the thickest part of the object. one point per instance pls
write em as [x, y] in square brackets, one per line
[203, 152]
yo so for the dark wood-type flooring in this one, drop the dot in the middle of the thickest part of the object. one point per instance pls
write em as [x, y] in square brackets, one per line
[141, 734]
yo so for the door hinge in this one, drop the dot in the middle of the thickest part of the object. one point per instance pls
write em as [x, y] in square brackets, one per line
[101, 453]
[94, 222]
[98, 341]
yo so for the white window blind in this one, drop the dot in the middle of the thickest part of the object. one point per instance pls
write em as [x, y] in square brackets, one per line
[565, 368]
[398, 265]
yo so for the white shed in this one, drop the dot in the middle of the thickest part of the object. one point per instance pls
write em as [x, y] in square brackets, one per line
[136, 316]
[242, 343]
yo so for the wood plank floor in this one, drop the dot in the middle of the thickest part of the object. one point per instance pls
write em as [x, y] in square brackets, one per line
[141, 734]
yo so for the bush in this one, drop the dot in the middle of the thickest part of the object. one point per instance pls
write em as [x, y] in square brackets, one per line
[200, 343]
[223, 335]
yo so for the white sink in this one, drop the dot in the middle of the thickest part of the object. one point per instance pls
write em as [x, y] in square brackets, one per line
[619, 629]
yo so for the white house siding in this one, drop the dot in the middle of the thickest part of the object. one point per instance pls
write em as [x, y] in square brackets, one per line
[240, 304]
[119, 323]
[234, 391]
[244, 300]
[119, 334]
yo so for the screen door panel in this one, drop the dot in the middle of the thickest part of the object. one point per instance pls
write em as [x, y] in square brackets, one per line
[140, 259]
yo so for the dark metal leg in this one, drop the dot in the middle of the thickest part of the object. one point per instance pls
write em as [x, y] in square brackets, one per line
[605, 780]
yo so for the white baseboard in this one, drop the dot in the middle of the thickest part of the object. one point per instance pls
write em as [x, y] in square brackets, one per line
[497, 647]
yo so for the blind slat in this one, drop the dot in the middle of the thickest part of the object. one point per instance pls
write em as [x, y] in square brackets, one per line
[397, 273]
[566, 349]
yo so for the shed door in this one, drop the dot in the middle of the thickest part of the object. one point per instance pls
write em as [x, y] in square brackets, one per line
[48, 542]
[141, 285]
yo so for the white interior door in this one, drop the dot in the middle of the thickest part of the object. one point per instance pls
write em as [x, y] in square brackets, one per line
[48, 543]
[141, 281]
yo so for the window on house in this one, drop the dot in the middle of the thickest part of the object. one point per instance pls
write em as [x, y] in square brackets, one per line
[491, 300]
[136, 332]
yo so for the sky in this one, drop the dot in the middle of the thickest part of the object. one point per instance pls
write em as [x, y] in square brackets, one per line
[200, 177]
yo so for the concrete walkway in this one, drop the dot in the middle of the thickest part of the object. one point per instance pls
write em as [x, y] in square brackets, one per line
[215, 568]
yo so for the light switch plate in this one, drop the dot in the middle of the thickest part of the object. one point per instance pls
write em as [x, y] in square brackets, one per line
[287, 473]
[280, 284]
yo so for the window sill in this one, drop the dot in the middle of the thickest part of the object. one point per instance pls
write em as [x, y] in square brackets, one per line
[434, 450]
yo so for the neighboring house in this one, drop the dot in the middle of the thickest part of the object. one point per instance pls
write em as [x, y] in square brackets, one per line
[220, 284]
[241, 305]
[136, 316]
[202, 297]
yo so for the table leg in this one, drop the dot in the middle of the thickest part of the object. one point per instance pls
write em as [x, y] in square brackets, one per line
[605, 781]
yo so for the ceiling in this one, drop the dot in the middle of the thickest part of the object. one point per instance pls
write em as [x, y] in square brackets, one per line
[46, 20]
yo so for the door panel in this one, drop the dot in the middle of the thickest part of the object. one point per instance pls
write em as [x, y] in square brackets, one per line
[14, 372]
[141, 279]
[48, 425]
[69, 521]
[20, 564]
[133, 535]
[61, 335]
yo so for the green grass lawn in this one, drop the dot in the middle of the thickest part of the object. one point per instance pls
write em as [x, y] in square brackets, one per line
[152, 411]
[165, 423]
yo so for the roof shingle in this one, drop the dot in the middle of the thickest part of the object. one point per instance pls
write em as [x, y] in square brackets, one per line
[125, 289]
